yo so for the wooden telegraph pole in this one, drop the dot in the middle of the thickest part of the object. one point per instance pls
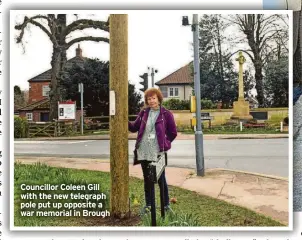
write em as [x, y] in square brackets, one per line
[119, 165]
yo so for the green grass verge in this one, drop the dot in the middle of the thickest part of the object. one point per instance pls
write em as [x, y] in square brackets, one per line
[94, 132]
[211, 131]
[234, 133]
[222, 130]
[191, 208]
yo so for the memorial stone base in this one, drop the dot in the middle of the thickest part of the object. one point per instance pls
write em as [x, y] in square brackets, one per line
[241, 110]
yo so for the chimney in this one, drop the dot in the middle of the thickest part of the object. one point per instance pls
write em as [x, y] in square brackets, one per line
[79, 51]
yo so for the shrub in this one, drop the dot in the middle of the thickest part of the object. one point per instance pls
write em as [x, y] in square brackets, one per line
[176, 104]
[207, 104]
[276, 119]
[20, 127]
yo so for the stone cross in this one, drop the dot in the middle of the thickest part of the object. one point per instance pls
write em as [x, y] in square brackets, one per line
[241, 59]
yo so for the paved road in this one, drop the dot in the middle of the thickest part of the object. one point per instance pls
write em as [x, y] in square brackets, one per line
[266, 156]
[297, 132]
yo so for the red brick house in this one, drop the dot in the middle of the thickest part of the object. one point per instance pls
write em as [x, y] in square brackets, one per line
[38, 108]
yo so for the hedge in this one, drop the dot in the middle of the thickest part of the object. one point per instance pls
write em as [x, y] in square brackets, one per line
[20, 127]
[176, 104]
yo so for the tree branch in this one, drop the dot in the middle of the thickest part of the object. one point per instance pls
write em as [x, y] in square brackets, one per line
[51, 20]
[258, 22]
[86, 23]
[275, 32]
[31, 20]
[266, 23]
[81, 39]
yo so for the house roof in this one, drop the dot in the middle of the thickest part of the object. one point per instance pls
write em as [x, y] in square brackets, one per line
[46, 76]
[42, 104]
[181, 76]
[16, 107]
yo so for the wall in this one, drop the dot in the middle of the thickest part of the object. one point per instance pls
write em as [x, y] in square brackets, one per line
[181, 91]
[221, 116]
[188, 90]
[36, 114]
[35, 91]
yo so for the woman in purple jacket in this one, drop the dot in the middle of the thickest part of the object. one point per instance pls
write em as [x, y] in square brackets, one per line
[156, 130]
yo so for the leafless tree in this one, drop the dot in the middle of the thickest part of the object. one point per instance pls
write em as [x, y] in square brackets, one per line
[265, 35]
[58, 32]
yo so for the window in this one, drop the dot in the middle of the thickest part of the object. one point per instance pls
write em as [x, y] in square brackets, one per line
[173, 92]
[164, 91]
[45, 90]
[29, 116]
[176, 92]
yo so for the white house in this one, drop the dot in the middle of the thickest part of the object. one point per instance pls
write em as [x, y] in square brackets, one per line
[178, 84]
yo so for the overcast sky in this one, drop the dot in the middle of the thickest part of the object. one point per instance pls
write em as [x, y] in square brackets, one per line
[156, 39]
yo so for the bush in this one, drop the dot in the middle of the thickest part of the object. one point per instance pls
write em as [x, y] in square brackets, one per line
[20, 127]
[275, 120]
[176, 104]
[207, 104]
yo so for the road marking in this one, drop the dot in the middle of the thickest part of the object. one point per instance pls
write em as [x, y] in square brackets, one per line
[81, 141]
[52, 142]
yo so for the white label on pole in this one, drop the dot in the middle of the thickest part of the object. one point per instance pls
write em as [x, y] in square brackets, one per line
[112, 103]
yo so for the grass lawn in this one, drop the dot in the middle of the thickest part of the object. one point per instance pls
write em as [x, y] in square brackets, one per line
[191, 209]
[217, 130]
[214, 130]
[222, 130]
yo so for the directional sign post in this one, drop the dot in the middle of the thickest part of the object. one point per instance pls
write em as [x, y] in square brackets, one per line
[81, 90]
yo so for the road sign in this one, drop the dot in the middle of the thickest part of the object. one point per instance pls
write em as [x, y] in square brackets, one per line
[159, 166]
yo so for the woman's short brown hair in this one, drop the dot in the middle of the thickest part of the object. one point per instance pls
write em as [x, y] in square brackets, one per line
[153, 91]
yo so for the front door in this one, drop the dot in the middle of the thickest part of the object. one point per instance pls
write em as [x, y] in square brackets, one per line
[44, 117]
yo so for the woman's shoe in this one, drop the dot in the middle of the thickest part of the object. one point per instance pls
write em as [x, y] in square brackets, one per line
[145, 210]
[168, 209]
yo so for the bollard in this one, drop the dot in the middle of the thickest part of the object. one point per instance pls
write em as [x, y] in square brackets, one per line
[281, 126]
[240, 126]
